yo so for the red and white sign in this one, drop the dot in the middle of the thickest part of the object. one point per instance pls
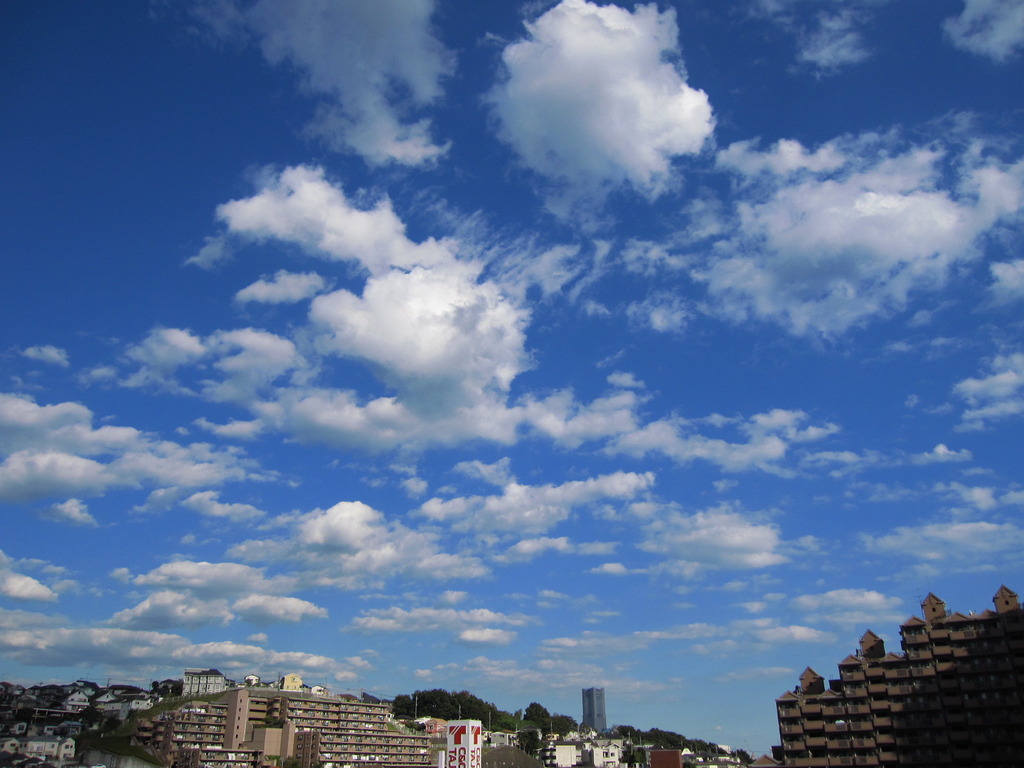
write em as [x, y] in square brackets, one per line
[465, 744]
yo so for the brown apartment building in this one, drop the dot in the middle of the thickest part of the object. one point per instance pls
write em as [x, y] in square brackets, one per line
[249, 728]
[952, 697]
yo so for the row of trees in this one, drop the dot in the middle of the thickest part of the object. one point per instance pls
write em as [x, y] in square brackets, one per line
[463, 705]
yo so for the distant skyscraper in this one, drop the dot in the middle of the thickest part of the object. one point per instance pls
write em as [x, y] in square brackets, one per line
[593, 709]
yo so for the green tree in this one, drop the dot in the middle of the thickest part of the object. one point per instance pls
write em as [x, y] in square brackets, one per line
[530, 741]
[563, 724]
[538, 715]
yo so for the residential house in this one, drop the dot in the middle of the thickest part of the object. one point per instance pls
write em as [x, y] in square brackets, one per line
[199, 682]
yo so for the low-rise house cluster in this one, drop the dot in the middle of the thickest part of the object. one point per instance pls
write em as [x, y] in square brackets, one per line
[599, 753]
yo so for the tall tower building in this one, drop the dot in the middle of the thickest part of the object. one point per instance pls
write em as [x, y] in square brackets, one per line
[593, 709]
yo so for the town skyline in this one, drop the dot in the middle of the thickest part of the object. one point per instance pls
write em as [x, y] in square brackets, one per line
[517, 348]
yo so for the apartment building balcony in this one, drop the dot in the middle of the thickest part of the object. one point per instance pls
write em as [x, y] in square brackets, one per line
[916, 723]
[885, 739]
[852, 675]
[987, 683]
[904, 689]
[916, 705]
[855, 760]
[837, 727]
[879, 705]
[876, 688]
[866, 760]
[930, 739]
[895, 673]
[815, 742]
[858, 709]
[837, 744]
[833, 710]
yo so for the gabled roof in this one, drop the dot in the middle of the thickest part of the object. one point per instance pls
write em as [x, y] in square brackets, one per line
[850, 661]
[787, 695]
[913, 621]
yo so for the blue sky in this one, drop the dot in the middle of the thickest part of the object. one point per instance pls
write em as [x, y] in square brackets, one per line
[511, 347]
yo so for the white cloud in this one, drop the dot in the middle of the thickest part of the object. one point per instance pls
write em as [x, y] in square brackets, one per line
[351, 544]
[996, 396]
[569, 422]
[950, 545]
[215, 251]
[1007, 281]
[829, 247]
[498, 473]
[719, 537]
[53, 450]
[528, 549]
[433, 333]
[166, 609]
[427, 325]
[486, 636]
[828, 34]
[206, 503]
[265, 609]
[73, 511]
[785, 157]
[377, 63]
[47, 353]
[284, 287]
[850, 607]
[234, 429]
[250, 362]
[941, 454]
[595, 97]
[160, 355]
[762, 631]
[611, 569]
[478, 622]
[132, 654]
[978, 497]
[18, 586]
[768, 438]
[212, 580]
[660, 311]
[992, 28]
[525, 508]
[300, 206]
[625, 380]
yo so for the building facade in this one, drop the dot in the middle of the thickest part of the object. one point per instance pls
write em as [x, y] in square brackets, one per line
[248, 727]
[952, 697]
[593, 709]
[200, 682]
